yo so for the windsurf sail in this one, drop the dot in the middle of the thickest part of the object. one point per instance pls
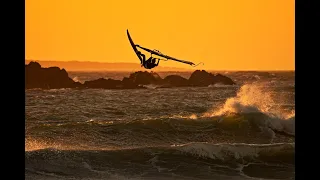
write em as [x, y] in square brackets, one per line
[158, 53]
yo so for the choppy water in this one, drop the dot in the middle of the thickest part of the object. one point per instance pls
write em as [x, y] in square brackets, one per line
[217, 132]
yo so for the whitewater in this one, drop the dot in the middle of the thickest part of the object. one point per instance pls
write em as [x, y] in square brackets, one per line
[244, 131]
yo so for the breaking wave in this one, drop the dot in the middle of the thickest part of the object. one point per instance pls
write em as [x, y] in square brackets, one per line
[175, 160]
[216, 132]
[252, 99]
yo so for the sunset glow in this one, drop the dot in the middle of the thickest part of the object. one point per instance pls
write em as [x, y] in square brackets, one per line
[224, 34]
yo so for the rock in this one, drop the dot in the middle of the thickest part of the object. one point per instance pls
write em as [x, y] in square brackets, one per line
[47, 78]
[200, 78]
[104, 83]
[144, 78]
[175, 81]
[54, 78]
[203, 78]
[223, 80]
[129, 84]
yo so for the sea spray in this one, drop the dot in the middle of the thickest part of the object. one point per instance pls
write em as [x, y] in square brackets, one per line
[255, 99]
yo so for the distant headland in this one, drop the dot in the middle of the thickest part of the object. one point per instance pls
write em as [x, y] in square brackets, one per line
[55, 78]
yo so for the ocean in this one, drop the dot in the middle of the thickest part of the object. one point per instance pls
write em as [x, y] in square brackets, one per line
[243, 131]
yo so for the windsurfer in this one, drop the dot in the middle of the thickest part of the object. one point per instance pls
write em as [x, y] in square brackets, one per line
[150, 63]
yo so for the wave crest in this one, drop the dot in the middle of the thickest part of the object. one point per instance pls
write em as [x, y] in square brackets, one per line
[237, 151]
[253, 98]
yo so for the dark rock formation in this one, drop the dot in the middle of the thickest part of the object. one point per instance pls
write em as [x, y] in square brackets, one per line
[54, 78]
[47, 78]
[203, 78]
[128, 83]
[103, 83]
[175, 81]
[144, 78]
[223, 80]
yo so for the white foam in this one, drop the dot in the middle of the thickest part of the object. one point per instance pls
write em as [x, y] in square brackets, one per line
[221, 85]
[235, 150]
[76, 79]
[151, 86]
[153, 162]
[252, 98]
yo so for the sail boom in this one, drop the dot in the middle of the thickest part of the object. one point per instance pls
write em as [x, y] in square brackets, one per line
[165, 56]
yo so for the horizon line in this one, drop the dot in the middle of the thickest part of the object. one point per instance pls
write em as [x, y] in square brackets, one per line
[185, 69]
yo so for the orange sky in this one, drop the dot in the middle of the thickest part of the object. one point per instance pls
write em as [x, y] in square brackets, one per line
[224, 34]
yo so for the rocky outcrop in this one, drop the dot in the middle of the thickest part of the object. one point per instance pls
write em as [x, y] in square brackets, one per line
[47, 78]
[175, 81]
[203, 78]
[104, 83]
[220, 79]
[144, 78]
[128, 83]
[55, 78]
[111, 84]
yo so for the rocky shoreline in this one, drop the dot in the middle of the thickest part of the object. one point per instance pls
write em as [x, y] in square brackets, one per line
[56, 78]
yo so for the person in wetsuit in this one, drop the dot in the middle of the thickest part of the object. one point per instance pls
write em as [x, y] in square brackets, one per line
[149, 63]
